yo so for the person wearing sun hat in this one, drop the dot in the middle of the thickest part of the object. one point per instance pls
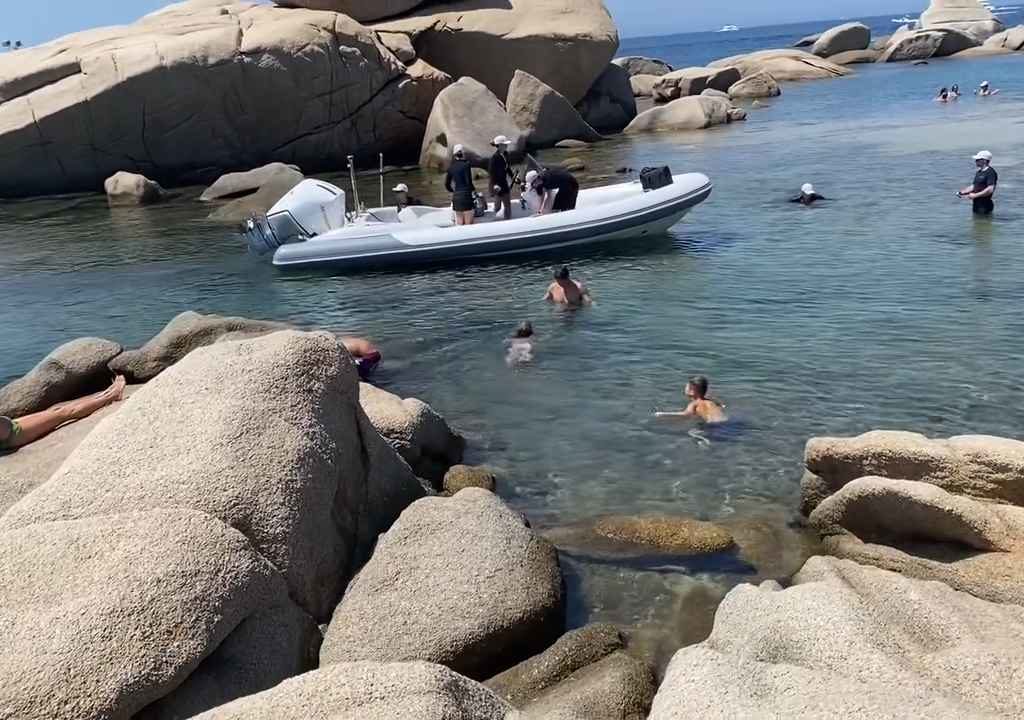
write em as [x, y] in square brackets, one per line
[982, 190]
[501, 174]
[808, 195]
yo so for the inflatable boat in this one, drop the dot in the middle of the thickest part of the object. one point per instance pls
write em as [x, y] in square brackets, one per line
[309, 226]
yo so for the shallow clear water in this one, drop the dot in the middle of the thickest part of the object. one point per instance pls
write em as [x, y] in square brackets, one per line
[887, 307]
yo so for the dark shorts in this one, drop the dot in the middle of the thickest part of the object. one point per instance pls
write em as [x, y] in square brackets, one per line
[12, 430]
[367, 364]
[462, 201]
[984, 206]
[566, 199]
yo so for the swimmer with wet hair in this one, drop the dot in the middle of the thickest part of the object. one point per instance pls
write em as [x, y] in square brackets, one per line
[702, 406]
[520, 345]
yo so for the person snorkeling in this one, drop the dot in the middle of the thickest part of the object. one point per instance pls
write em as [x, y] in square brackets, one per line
[701, 406]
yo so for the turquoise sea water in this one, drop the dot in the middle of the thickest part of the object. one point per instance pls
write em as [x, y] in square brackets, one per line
[886, 307]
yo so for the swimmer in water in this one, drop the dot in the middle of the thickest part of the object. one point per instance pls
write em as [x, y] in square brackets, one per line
[566, 291]
[520, 345]
[943, 96]
[702, 407]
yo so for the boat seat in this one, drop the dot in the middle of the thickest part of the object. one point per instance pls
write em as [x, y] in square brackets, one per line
[425, 215]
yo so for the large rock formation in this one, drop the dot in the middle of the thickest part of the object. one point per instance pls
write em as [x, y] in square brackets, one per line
[361, 10]
[565, 43]
[609, 104]
[693, 81]
[688, 113]
[74, 369]
[979, 466]
[1012, 39]
[185, 93]
[544, 116]
[925, 44]
[264, 434]
[459, 581]
[843, 38]
[124, 188]
[856, 57]
[239, 184]
[635, 65]
[854, 642]
[103, 617]
[467, 113]
[968, 16]
[643, 85]
[783, 65]
[370, 691]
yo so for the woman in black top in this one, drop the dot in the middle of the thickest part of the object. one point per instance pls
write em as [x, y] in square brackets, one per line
[558, 188]
[459, 182]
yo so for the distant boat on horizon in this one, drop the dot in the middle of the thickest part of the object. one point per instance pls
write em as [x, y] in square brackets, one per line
[904, 19]
[729, 28]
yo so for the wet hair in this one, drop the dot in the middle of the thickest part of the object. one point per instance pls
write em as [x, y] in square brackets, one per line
[525, 329]
[562, 273]
[699, 383]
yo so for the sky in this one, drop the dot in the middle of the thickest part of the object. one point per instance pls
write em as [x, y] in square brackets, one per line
[41, 20]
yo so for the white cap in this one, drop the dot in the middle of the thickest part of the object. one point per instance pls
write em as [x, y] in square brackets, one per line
[400, 187]
[984, 155]
[807, 189]
[458, 150]
[500, 140]
[984, 83]
[530, 177]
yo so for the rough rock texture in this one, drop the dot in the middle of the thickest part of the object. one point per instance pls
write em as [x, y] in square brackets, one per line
[843, 38]
[856, 57]
[264, 434]
[361, 10]
[670, 534]
[564, 43]
[617, 687]
[204, 77]
[460, 477]
[711, 92]
[880, 510]
[635, 65]
[688, 113]
[979, 466]
[880, 42]
[925, 44]
[468, 114]
[183, 334]
[854, 642]
[400, 45]
[1012, 39]
[544, 116]
[528, 680]
[459, 581]
[125, 188]
[238, 184]
[783, 65]
[758, 85]
[693, 81]
[609, 104]
[643, 85]
[968, 16]
[74, 369]
[103, 616]
[259, 202]
[370, 691]
[421, 436]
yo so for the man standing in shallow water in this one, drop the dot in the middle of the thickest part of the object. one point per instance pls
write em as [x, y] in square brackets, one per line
[566, 291]
[984, 186]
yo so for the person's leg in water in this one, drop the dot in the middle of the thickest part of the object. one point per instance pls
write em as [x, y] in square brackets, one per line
[38, 425]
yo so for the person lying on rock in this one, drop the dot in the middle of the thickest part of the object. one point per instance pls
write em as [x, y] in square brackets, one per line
[807, 195]
[365, 354]
[702, 406]
[566, 291]
[18, 432]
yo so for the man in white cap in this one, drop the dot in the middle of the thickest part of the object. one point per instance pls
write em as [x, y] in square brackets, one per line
[984, 90]
[459, 182]
[501, 174]
[402, 197]
[807, 195]
[980, 192]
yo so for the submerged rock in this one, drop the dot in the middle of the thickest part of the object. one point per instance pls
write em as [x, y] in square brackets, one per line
[843, 38]
[688, 113]
[758, 85]
[125, 188]
[544, 116]
[74, 369]
[635, 65]
[370, 691]
[609, 104]
[669, 534]
[238, 184]
[459, 581]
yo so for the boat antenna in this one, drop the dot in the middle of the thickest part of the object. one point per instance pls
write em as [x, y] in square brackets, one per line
[355, 188]
[381, 180]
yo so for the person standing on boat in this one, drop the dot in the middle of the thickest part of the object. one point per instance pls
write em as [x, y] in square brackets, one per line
[558, 188]
[501, 175]
[980, 192]
[459, 182]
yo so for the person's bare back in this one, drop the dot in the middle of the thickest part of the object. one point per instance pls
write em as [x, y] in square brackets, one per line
[566, 291]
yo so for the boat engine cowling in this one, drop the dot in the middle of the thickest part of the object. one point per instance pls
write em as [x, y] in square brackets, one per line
[311, 208]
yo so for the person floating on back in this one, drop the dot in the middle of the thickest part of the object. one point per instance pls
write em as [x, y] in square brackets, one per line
[807, 195]
[520, 345]
[985, 90]
[982, 190]
[702, 407]
[566, 291]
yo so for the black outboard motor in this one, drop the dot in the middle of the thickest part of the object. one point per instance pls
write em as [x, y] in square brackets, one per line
[652, 178]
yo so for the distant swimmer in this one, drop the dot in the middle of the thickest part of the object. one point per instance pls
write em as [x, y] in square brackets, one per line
[520, 345]
[365, 355]
[943, 96]
[982, 190]
[566, 291]
[807, 195]
[985, 90]
[954, 92]
[702, 407]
